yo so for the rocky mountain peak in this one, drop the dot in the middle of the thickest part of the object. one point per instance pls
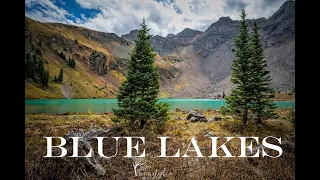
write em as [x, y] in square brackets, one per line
[222, 22]
[286, 11]
[187, 32]
[224, 19]
[288, 5]
[157, 37]
[131, 36]
[170, 35]
[135, 31]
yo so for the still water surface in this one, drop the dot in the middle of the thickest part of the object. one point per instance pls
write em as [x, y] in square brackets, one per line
[57, 106]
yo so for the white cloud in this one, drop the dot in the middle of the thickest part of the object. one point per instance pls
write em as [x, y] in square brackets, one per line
[122, 16]
[48, 12]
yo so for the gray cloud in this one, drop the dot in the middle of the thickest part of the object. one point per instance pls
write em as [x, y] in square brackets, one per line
[186, 20]
[235, 5]
[154, 15]
[122, 16]
[271, 4]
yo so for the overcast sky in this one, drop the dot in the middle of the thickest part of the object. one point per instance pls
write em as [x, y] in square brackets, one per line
[162, 16]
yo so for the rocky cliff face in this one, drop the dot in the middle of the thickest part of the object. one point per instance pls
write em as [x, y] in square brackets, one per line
[131, 36]
[171, 44]
[185, 37]
[214, 46]
[207, 56]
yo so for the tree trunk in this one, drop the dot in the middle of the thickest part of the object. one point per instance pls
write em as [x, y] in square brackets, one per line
[245, 117]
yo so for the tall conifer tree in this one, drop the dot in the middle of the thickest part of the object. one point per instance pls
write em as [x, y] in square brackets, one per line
[138, 94]
[253, 91]
[262, 105]
[238, 102]
[60, 78]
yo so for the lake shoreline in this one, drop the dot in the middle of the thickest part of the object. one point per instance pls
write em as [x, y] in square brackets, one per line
[60, 106]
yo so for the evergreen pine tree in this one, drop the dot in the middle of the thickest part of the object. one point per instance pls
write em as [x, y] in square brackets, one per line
[60, 78]
[38, 52]
[38, 62]
[138, 94]
[238, 102]
[62, 55]
[73, 63]
[34, 69]
[55, 79]
[262, 104]
[28, 66]
[44, 78]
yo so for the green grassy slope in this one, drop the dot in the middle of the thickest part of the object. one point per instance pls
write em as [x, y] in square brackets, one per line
[79, 43]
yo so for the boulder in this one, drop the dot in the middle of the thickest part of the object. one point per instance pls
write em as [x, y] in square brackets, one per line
[193, 119]
[195, 116]
[217, 118]
[209, 134]
[203, 120]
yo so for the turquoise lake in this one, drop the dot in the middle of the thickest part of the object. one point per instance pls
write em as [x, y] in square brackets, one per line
[58, 106]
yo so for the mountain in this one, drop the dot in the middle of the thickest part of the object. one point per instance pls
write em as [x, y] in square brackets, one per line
[100, 57]
[186, 36]
[213, 49]
[206, 60]
[131, 36]
[170, 44]
[192, 64]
